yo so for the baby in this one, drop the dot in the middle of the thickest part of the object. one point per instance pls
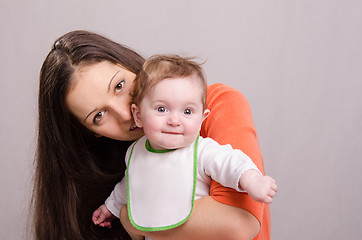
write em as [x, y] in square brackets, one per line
[171, 166]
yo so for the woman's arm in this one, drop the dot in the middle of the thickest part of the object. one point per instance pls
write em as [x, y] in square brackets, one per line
[209, 220]
[231, 122]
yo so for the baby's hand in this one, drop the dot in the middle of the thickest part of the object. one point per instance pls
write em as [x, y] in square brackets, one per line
[260, 188]
[103, 217]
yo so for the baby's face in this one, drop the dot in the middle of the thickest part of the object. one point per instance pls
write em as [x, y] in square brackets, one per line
[171, 113]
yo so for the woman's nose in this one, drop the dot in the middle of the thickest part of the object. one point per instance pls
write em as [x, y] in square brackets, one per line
[122, 111]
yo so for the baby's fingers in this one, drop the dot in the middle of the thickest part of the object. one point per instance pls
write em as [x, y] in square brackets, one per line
[271, 193]
[96, 215]
[106, 224]
[267, 199]
[274, 187]
[100, 220]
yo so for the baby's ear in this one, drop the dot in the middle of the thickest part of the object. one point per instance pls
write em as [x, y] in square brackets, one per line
[205, 114]
[136, 115]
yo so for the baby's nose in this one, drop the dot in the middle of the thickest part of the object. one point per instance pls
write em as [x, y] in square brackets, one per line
[174, 120]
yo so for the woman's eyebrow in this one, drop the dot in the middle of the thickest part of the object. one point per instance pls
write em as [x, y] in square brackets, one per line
[110, 82]
[109, 88]
[89, 114]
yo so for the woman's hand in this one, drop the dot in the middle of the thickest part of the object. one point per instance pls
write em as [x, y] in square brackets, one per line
[209, 220]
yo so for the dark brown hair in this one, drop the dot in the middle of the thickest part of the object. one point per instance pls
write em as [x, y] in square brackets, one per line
[75, 171]
[160, 67]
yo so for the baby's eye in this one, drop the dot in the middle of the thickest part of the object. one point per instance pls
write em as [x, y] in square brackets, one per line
[119, 86]
[98, 117]
[161, 109]
[187, 111]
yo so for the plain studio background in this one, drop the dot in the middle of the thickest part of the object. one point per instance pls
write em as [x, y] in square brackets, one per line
[299, 63]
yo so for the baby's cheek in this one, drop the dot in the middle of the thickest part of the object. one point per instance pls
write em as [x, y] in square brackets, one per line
[192, 133]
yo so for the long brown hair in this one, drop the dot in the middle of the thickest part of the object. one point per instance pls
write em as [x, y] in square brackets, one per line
[75, 171]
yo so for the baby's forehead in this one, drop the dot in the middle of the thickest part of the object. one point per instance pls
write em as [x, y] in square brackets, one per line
[184, 90]
[193, 82]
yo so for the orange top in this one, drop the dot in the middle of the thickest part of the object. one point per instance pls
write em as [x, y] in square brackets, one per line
[230, 122]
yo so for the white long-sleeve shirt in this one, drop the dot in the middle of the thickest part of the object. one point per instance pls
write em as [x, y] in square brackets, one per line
[214, 161]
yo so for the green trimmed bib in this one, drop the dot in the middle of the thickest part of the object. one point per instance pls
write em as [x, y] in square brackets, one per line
[160, 186]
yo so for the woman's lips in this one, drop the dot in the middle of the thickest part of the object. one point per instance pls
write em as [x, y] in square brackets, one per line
[134, 127]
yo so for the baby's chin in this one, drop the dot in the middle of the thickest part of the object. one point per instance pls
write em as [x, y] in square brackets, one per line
[171, 146]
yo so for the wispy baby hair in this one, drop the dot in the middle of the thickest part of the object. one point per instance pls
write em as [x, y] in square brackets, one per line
[160, 67]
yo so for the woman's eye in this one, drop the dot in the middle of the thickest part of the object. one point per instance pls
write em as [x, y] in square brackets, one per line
[98, 117]
[187, 111]
[119, 86]
[161, 109]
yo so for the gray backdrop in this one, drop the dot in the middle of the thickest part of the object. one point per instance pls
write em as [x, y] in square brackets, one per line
[297, 62]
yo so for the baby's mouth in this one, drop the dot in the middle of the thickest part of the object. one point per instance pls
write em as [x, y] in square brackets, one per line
[173, 133]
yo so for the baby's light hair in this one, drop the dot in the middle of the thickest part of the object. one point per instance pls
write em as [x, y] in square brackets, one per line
[160, 67]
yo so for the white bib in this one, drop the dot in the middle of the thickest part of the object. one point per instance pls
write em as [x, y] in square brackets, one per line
[160, 186]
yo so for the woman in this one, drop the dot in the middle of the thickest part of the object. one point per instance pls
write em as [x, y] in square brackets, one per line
[85, 126]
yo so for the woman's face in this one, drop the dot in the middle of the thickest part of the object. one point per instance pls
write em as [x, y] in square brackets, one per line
[99, 98]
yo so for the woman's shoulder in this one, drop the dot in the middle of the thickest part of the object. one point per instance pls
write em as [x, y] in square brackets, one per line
[229, 110]
[223, 93]
[219, 87]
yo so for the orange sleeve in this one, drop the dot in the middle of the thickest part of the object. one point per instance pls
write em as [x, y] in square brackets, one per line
[230, 122]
